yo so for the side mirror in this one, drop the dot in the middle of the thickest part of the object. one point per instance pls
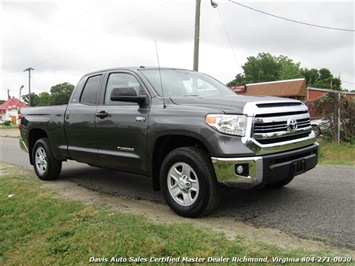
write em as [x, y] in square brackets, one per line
[126, 94]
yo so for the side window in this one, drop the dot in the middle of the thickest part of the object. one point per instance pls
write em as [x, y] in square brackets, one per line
[89, 94]
[121, 80]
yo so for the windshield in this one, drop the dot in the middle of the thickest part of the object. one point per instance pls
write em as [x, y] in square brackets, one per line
[184, 83]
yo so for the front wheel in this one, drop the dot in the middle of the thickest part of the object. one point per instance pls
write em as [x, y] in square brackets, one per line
[44, 163]
[188, 182]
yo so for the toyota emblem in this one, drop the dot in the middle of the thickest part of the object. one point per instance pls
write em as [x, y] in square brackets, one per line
[292, 124]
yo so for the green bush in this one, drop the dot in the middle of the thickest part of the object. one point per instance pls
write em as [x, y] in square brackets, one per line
[7, 123]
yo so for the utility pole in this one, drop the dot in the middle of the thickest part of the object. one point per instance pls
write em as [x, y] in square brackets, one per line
[197, 34]
[29, 84]
[339, 113]
[197, 31]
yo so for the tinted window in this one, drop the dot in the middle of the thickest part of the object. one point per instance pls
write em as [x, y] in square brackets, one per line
[182, 83]
[121, 80]
[89, 94]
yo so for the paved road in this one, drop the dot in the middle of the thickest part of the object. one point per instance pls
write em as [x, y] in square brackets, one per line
[318, 204]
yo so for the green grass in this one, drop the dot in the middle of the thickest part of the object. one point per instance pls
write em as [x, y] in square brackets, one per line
[8, 127]
[337, 154]
[39, 229]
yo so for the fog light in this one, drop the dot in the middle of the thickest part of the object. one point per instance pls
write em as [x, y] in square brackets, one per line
[242, 169]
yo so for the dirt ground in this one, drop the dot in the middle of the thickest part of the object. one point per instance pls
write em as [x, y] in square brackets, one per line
[11, 132]
[159, 213]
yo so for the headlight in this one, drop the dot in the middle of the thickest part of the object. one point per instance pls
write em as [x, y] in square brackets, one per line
[228, 124]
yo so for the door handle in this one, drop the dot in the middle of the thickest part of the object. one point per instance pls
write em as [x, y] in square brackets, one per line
[67, 115]
[102, 114]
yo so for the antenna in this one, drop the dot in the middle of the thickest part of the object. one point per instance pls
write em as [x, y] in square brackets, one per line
[161, 81]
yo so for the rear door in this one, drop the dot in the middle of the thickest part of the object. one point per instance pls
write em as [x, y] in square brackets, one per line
[80, 120]
[122, 128]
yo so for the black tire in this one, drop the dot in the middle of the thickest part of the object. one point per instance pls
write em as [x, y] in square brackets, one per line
[44, 163]
[280, 184]
[194, 190]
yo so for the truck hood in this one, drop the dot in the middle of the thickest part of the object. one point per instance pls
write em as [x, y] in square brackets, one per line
[232, 104]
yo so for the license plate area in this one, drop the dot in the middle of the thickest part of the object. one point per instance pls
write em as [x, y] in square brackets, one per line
[298, 167]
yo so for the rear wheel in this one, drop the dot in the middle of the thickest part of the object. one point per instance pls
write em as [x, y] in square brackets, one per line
[188, 182]
[44, 163]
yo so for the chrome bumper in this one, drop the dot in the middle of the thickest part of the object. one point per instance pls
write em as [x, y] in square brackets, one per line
[226, 172]
[249, 172]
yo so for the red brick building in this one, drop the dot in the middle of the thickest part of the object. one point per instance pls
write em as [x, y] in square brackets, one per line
[291, 88]
[315, 93]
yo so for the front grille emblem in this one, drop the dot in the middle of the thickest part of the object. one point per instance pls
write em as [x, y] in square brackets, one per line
[292, 124]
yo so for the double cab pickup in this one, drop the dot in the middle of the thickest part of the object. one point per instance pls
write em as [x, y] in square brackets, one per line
[185, 130]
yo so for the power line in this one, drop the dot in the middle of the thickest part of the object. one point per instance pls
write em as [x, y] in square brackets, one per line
[352, 83]
[229, 40]
[98, 37]
[51, 31]
[102, 35]
[291, 20]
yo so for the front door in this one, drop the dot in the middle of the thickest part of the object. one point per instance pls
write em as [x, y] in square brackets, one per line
[122, 128]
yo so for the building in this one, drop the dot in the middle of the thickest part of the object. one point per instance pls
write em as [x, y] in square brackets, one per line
[291, 88]
[315, 93]
[9, 110]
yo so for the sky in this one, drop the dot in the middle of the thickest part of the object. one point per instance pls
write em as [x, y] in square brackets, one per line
[63, 40]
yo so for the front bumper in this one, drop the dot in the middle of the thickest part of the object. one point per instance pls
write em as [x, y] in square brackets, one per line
[250, 172]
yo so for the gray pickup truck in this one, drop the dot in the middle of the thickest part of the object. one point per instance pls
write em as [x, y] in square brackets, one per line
[187, 131]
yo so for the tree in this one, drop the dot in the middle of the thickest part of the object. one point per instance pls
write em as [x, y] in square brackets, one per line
[261, 68]
[266, 67]
[34, 99]
[321, 78]
[311, 75]
[239, 79]
[60, 93]
[289, 69]
[44, 99]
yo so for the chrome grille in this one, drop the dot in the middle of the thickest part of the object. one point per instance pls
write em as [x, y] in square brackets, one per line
[274, 126]
[269, 127]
